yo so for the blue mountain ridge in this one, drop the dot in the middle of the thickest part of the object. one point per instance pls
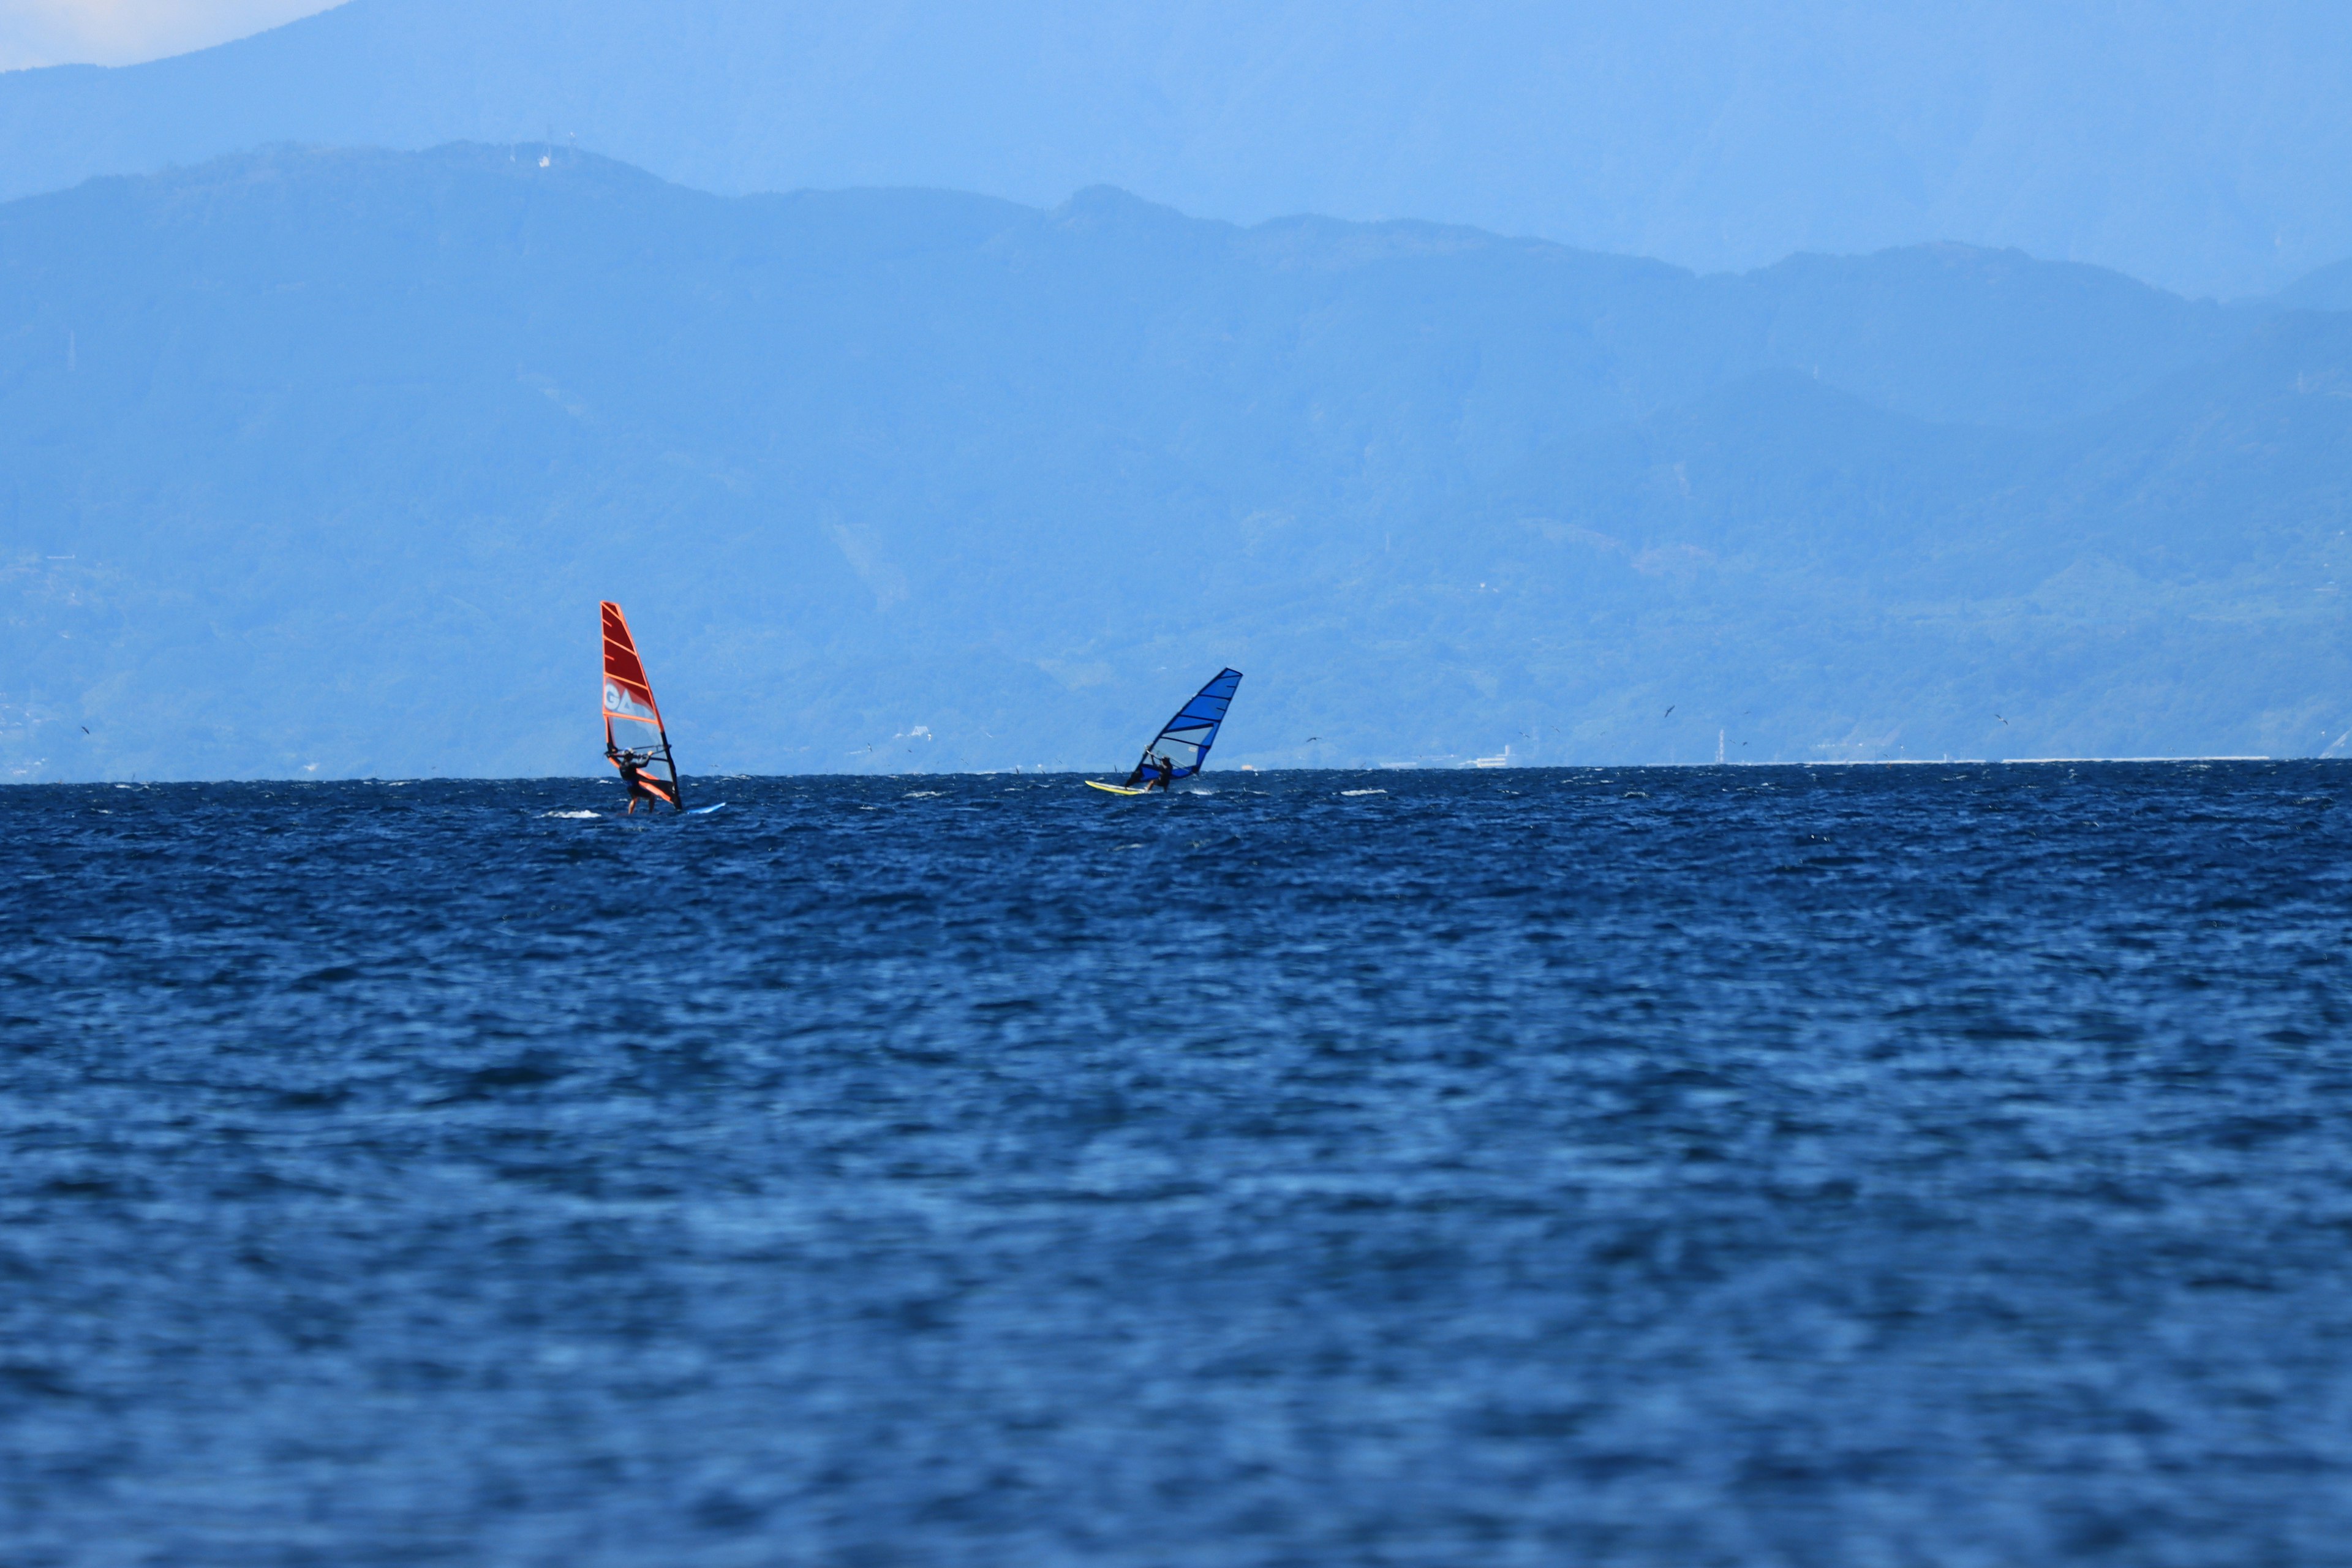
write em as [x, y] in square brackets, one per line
[316, 462]
[2204, 147]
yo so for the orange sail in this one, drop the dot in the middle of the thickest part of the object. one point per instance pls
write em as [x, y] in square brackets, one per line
[641, 742]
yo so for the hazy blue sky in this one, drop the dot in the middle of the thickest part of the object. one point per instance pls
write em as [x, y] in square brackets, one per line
[119, 32]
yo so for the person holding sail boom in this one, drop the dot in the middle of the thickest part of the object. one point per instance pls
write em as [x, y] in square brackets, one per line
[630, 762]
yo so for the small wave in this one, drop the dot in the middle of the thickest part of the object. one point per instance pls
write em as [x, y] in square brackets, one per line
[925, 793]
[572, 815]
[1364, 791]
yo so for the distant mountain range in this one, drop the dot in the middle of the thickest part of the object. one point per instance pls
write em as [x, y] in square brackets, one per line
[2205, 147]
[316, 462]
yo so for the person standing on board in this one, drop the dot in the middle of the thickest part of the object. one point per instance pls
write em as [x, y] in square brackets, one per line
[1167, 776]
[638, 789]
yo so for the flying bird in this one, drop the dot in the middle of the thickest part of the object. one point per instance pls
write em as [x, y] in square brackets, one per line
[2003, 721]
[1670, 710]
[85, 729]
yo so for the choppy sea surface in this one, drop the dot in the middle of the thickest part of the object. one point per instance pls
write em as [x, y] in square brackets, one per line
[1889, 1165]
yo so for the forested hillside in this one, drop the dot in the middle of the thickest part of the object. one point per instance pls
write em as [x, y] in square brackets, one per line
[320, 460]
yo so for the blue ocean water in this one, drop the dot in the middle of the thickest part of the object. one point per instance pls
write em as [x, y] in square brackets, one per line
[1917, 1165]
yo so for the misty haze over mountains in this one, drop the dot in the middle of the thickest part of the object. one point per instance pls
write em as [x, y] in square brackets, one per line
[2204, 147]
[319, 460]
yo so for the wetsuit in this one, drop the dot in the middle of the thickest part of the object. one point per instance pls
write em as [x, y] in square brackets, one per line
[1167, 776]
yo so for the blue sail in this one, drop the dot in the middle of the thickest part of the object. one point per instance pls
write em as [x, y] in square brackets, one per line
[1185, 739]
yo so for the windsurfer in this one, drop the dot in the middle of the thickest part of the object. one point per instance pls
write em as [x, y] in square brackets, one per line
[1192, 730]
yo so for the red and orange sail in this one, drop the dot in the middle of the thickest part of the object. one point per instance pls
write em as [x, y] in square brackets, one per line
[629, 703]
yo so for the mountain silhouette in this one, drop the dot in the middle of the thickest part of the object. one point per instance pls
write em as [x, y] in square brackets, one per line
[1721, 134]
